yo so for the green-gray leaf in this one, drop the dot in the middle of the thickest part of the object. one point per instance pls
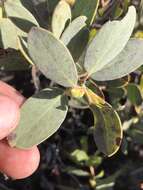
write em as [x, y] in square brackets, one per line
[54, 60]
[20, 16]
[108, 132]
[87, 8]
[109, 42]
[73, 29]
[107, 126]
[41, 117]
[8, 33]
[126, 62]
[61, 15]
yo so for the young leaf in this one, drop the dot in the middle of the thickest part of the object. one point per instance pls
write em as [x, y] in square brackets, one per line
[19, 15]
[79, 155]
[126, 62]
[109, 42]
[81, 103]
[73, 29]
[87, 8]
[54, 60]
[107, 126]
[62, 14]
[41, 117]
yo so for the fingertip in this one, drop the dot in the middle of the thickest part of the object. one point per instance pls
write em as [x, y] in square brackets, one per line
[12, 93]
[17, 163]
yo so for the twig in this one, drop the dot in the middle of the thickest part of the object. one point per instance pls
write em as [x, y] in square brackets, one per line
[35, 78]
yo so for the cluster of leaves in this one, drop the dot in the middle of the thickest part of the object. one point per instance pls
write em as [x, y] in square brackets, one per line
[72, 55]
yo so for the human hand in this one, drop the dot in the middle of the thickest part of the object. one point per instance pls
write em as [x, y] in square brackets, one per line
[15, 163]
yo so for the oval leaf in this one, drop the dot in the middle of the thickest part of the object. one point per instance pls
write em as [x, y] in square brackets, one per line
[130, 59]
[73, 29]
[62, 14]
[41, 117]
[109, 42]
[20, 16]
[107, 133]
[55, 60]
[107, 126]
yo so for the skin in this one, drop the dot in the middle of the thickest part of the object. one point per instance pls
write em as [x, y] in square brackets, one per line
[9, 116]
[15, 163]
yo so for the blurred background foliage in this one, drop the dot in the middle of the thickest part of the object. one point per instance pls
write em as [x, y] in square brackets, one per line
[69, 159]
